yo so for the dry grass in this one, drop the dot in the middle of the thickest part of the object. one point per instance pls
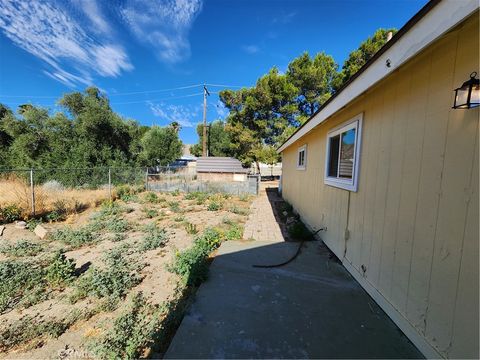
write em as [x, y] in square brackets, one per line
[15, 190]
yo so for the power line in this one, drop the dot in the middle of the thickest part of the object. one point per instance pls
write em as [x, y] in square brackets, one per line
[163, 99]
[128, 93]
[219, 85]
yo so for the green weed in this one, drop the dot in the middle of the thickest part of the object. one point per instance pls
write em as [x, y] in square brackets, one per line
[175, 206]
[150, 213]
[132, 331]
[10, 213]
[155, 237]
[192, 264]
[21, 284]
[61, 270]
[214, 205]
[239, 210]
[21, 248]
[74, 237]
[190, 228]
[151, 197]
[117, 225]
[113, 280]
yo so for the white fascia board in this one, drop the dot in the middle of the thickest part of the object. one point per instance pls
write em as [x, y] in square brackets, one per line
[443, 17]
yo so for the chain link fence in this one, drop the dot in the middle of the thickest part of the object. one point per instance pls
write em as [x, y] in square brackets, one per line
[39, 191]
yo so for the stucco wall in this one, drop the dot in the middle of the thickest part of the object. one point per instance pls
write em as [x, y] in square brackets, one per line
[414, 222]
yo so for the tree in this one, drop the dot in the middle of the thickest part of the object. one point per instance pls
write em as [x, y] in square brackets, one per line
[268, 155]
[218, 140]
[313, 80]
[160, 146]
[259, 115]
[175, 126]
[360, 56]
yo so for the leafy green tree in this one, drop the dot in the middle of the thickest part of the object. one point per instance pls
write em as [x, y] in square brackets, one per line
[218, 140]
[259, 115]
[313, 79]
[268, 155]
[6, 138]
[360, 56]
[161, 146]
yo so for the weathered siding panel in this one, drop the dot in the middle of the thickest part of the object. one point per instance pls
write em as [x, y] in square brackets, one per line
[413, 224]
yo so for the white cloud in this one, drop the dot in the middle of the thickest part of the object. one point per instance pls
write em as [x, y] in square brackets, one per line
[251, 49]
[185, 115]
[163, 25]
[49, 33]
[284, 18]
[92, 10]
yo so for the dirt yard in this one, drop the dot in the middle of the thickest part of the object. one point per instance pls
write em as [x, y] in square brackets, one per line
[75, 294]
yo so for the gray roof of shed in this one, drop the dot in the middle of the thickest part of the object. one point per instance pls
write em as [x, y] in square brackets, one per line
[220, 165]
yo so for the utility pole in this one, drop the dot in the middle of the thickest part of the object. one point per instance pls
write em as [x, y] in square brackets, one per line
[204, 142]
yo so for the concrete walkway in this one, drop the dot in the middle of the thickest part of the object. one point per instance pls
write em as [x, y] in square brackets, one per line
[310, 308]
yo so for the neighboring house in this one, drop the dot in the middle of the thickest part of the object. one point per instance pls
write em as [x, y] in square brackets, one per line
[220, 169]
[391, 171]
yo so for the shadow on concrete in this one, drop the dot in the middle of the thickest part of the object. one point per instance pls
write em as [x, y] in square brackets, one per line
[310, 308]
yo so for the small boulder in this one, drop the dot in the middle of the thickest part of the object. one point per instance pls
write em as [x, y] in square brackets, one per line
[21, 225]
[40, 231]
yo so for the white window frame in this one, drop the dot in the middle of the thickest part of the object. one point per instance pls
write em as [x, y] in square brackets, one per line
[346, 184]
[300, 149]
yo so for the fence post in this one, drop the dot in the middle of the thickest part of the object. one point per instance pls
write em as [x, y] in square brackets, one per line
[110, 183]
[146, 179]
[32, 187]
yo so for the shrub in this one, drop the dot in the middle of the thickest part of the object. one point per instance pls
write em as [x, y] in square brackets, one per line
[21, 248]
[191, 228]
[214, 206]
[299, 231]
[11, 213]
[29, 328]
[174, 206]
[126, 192]
[150, 213]
[176, 192]
[117, 225]
[192, 264]
[155, 238]
[61, 270]
[118, 237]
[59, 211]
[21, 284]
[151, 197]
[235, 232]
[114, 280]
[179, 218]
[32, 223]
[190, 196]
[131, 333]
[239, 210]
[74, 237]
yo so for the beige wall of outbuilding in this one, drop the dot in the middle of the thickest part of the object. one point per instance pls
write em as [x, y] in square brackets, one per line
[413, 225]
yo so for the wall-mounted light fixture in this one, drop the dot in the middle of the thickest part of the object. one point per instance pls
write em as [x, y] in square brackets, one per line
[468, 95]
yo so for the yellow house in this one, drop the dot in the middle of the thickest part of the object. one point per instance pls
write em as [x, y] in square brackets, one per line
[391, 170]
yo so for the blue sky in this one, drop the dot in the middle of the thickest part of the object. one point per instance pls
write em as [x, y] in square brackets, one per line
[149, 56]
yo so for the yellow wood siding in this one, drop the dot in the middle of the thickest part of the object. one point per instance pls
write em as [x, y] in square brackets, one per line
[414, 222]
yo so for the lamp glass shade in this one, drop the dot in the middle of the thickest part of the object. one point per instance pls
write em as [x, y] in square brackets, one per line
[475, 96]
[461, 97]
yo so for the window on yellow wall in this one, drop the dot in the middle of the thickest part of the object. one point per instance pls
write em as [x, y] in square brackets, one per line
[343, 154]
[302, 157]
